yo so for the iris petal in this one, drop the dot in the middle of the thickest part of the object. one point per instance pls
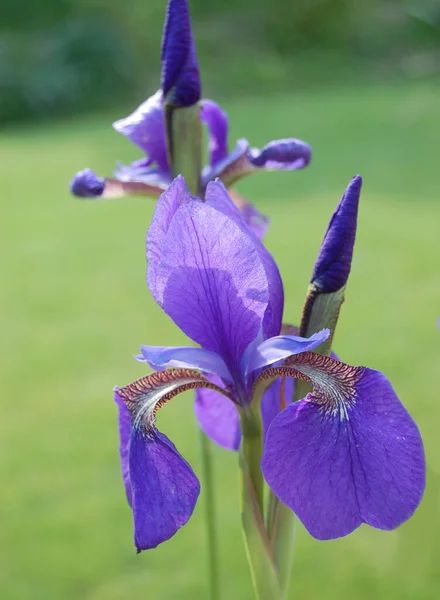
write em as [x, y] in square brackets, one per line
[351, 453]
[165, 488]
[218, 417]
[217, 123]
[211, 275]
[218, 197]
[287, 154]
[124, 426]
[161, 357]
[256, 221]
[145, 128]
[279, 348]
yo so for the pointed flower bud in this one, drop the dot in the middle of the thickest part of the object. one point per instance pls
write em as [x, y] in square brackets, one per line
[334, 261]
[180, 71]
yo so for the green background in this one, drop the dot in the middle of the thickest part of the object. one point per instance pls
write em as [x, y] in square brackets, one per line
[75, 305]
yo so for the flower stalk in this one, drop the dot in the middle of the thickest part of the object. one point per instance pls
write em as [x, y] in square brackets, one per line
[184, 143]
[207, 466]
[258, 549]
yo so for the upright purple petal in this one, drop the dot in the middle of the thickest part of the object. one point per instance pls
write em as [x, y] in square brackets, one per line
[217, 122]
[218, 197]
[334, 261]
[211, 274]
[166, 208]
[349, 453]
[180, 71]
[218, 417]
[124, 427]
[145, 128]
[165, 488]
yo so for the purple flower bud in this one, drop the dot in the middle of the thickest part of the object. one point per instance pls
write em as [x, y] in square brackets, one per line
[180, 71]
[334, 261]
[86, 184]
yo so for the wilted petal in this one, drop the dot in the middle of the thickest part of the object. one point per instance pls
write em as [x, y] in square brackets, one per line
[180, 71]
[217, 123]
[287, 154]
[218, 417]
[211, 274]
[124, 427]
[334, 261]
[165, 489]
[145, 128]
[87, 184]
[161, 357]
[349, 453]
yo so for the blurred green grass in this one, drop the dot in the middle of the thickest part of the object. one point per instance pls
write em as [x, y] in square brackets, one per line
[75, 306]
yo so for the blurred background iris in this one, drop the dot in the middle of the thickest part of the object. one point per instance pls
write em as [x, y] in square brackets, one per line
[360, 82]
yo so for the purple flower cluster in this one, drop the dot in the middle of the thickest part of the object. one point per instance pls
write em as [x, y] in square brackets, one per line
[346, 454]
[145, 127]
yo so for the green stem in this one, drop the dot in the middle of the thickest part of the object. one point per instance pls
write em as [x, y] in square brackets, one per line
[257, 544]
[184, 143]
[252, 448]
[280, 521]
[210, 516]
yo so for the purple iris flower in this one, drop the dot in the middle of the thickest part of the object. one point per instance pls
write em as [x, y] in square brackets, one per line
[145, 127]
[347, 453]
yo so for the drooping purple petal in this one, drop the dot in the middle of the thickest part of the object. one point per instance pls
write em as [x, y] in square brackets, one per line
[86, 184]
[218, 417]
[217, 123]
[180, 71]
[286, 154]
[210, 273]
[349, 453]
[162, 357]
[124, 427]
[145, 128]
[334, 261]
[279, 348]
[165, 488]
